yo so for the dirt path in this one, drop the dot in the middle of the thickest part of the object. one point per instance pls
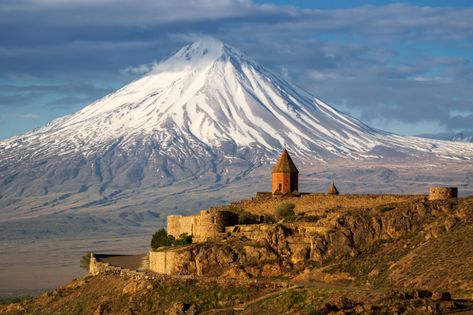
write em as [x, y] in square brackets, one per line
[245, 305]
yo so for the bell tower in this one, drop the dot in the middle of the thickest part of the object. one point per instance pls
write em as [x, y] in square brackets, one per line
[285, 175]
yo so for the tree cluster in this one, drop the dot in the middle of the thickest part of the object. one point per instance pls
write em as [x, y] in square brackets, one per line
[161, 239]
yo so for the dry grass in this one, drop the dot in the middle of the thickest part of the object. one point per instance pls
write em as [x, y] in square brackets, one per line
[444, 263]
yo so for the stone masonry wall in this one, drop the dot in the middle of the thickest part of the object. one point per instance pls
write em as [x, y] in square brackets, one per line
[97, 267]
[442, 193]
[178, 224]
[287, 181]
[206, 224]
[314, 204]
[209, 223]
[162, 262]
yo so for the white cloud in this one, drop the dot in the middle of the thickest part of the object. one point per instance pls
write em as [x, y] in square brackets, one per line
[140, 69]
[27, 116]
[410, 56]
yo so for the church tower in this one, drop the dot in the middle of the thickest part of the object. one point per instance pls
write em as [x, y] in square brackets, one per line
[285, 175]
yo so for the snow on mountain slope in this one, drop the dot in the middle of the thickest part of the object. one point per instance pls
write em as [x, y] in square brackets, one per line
[205, 110]
[215, 94]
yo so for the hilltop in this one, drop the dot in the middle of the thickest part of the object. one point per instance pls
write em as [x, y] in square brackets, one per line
[394, 257]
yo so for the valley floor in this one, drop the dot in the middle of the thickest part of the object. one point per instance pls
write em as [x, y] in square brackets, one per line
[30, 267]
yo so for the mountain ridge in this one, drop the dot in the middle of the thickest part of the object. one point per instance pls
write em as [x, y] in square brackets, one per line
[213, 94]
[208, 113]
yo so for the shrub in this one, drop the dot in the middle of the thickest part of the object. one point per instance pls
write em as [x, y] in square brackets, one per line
[160, 239]
[285, 209]
[183, 239]
[85, 261]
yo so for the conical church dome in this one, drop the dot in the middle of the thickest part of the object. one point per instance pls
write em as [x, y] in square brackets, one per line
[285, 164]
[333, 189]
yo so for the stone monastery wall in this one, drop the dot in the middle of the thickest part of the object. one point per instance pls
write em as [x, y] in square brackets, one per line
[209, 223]
[178, 224]
[315, 203]
[97, 267]
[440, 193]
[162, 262]
[206, 224]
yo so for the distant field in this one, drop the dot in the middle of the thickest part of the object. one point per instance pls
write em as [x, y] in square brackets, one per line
[30, 267]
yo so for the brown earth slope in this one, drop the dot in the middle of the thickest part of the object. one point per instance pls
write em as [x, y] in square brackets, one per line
[397, 258]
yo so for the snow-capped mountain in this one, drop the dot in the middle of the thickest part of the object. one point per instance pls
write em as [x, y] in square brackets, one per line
[209, 111]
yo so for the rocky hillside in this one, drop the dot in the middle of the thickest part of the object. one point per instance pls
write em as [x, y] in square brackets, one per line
[405, 244]
[109, 294]
[407, 257]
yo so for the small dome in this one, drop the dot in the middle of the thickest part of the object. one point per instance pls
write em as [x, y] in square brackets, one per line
[333, 190]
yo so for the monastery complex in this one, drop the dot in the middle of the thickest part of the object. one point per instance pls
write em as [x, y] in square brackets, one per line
[300, 239]
[285, 185]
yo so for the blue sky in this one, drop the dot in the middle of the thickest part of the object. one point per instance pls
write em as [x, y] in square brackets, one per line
[404, 66]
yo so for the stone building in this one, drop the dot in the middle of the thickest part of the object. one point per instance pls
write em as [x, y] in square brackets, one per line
[442, 193]
[285, 176]
[202, 226]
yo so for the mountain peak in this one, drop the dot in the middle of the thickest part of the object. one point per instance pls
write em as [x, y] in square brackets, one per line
[200, 49]
[201, 53]
[210, 96]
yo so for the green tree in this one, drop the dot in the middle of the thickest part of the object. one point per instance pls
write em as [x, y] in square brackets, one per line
[160, 239]
[85, 261]
[183, 239]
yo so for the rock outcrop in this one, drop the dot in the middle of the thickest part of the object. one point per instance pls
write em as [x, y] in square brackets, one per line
[288, 248]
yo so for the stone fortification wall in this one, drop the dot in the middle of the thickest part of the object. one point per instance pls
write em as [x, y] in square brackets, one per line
[209, 223]
[206, 224]
[162, 262]
[442, 193]
[97, 267]
[178, 224]
[314, 204]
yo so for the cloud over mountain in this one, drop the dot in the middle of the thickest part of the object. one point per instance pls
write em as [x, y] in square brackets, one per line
[380, 63]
